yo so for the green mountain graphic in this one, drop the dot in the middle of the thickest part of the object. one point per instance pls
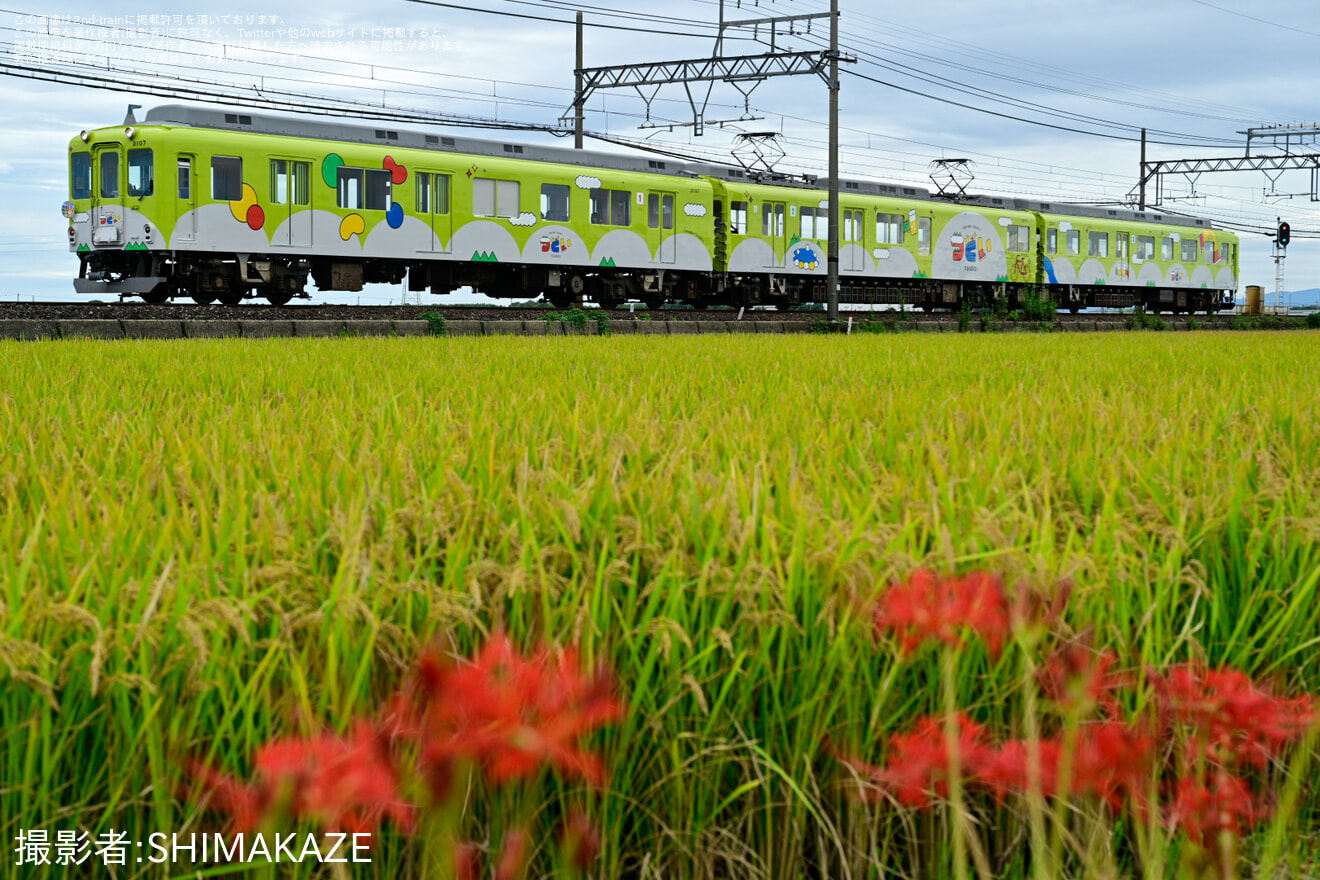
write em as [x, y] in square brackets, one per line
[483, 257]
[607, 263]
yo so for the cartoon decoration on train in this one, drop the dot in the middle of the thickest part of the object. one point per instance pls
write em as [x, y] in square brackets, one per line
[806, 257]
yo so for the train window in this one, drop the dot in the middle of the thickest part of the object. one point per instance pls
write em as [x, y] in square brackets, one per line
[611, 207]
[1051, 241]
[923, 236]
[1097, 244]
[424, 198]
[1189, 250]
[1074, 242]
[82, 175]
[738, 218]
[376, 190]
[109, 175]
[300, 174]
[1145, 247]
[620, 207]
[348, 193]
[1166, 248]
[807, 216]
[853, 226]
[1121, 245]
[554, 202]
[289, 182]
[772, 220]
[667, 211]
[888, 228]
[496, 198]
[226, 178]
[141, 180]
[279, 182]
[185, 178]
[653, 211]
[432, 193]
[1019, 239]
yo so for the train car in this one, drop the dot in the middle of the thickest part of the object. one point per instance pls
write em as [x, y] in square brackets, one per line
[224, 206]
[1106, 257]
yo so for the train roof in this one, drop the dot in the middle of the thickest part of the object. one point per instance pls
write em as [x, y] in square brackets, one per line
[388, 135]
[382, 135]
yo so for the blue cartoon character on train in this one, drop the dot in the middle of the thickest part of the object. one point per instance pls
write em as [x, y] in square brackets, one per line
[806, 258]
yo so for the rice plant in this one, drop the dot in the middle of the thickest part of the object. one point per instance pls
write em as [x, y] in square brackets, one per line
[209, 545]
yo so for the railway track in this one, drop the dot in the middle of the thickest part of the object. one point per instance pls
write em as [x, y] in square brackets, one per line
[138, 311]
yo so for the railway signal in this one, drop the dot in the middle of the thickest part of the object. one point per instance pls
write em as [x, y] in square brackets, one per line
[1285, 232]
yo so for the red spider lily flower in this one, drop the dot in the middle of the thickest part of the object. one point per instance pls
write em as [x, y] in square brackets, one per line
[1079, 678]
[1007, 770]
[1114, 761]
[581, 840]
[513, 855]
[244, 804]
[1235, 719]
[1202, 811]
[513, 714]
[349, 784]
[930, 608]
[917, 765]
[344, 784]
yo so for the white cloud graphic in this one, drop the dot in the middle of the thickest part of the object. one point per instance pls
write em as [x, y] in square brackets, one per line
[694, 210]
[588, 182]
[523, 219]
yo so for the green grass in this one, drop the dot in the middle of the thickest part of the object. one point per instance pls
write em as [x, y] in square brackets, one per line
[204, 544]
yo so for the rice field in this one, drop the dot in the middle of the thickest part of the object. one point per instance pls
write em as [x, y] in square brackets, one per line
[205, 545]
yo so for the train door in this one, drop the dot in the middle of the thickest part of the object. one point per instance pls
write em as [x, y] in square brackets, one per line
[185, 228]
[660, 223]
[433, 207]
[108, 195]
[853, 232]
[291, 202]
[772, 227]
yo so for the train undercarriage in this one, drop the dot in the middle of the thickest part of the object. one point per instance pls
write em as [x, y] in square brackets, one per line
[159, 276]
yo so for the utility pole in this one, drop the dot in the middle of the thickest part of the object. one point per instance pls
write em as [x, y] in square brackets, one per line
[832, 279]
[577, 90]
[745, 73]
[1141, 203]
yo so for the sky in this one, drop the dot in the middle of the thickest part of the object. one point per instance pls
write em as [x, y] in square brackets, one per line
[1046, 99]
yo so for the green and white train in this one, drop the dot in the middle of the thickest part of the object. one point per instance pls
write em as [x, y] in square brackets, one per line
[219, 205]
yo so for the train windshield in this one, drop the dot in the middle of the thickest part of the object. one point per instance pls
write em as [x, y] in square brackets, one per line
[140, 177]
[82, 175]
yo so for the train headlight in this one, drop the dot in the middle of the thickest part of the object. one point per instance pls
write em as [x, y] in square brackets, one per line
[72, 233]
[129, 132]
[85, 135]
[147, 229]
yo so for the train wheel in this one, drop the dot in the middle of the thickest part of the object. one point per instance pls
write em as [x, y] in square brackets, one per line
[230, 297]
[279, 298]
[655, 303]
[203, 299]
[560, 299]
